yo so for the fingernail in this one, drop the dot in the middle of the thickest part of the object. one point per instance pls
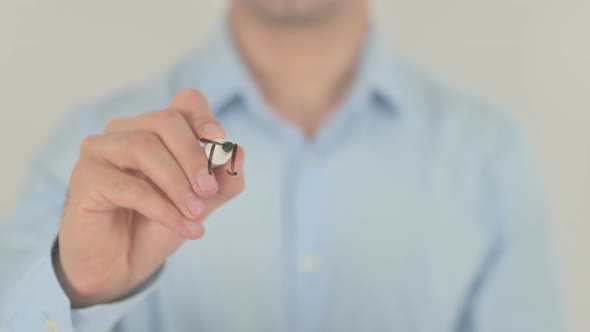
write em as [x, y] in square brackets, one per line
[195, 205]
[193, 226]
[212, 130]
[206, 181]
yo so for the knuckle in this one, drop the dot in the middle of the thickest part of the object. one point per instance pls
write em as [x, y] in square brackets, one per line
[113, 125]
[116, 186]
[87, 143]
[201, 119]
[195, 98]
[193, 94]
[167, 118]
[138, 188]
[81, 170]
[143, 142]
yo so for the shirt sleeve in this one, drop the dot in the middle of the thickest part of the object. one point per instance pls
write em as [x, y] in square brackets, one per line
[520, 289]
[31, 297]
[37, 300]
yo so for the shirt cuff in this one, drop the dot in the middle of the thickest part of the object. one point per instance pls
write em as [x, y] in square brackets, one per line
[102, 317]
[37, 302]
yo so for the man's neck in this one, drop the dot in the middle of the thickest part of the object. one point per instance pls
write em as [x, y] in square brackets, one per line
[303, 71]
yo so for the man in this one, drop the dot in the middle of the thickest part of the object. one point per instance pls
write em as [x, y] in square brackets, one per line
[377, 198]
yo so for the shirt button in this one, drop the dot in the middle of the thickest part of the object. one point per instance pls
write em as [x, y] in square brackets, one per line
[51, 326]
[309, 264]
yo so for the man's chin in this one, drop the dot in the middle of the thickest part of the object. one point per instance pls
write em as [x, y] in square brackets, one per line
[294, 12]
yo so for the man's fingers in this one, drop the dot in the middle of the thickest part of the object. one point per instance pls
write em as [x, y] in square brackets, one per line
[176, 134]
[145, 152]
[195, 108]
[127, 191]
[188, 118]
[229, 186]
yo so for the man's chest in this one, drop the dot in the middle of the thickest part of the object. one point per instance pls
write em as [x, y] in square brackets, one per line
[392, 247]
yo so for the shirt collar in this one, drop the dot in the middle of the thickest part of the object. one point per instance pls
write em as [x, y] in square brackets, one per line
[377, 82]
[219, 72]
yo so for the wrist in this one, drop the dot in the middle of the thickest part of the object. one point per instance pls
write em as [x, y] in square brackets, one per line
[76, 300]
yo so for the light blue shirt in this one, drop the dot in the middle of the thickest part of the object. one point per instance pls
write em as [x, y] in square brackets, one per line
[416, 208]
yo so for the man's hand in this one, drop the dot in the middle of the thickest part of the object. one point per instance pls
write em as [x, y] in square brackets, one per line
[137, 191]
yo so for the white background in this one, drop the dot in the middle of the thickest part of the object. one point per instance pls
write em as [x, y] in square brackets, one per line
[531, 57]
